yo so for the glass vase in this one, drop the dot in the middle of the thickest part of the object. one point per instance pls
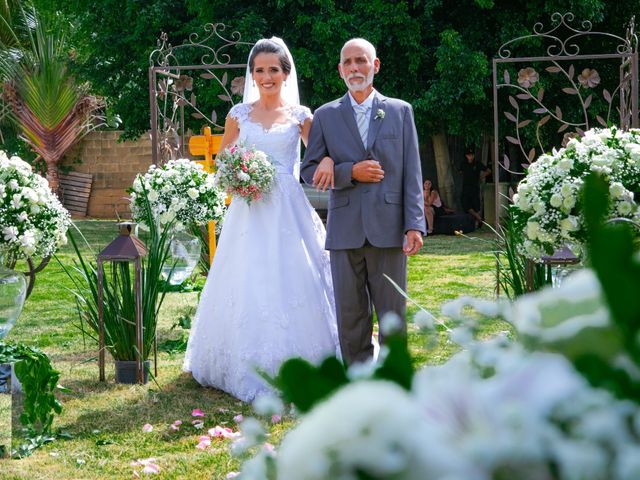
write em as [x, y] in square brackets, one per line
[13, 291]
[184, 254]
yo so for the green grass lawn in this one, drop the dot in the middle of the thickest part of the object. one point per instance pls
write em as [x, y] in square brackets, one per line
[105, 419]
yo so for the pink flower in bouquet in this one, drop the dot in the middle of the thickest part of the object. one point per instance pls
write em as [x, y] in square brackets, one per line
[245, 172]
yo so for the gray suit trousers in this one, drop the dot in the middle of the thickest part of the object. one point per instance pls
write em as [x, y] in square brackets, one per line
[359, 287]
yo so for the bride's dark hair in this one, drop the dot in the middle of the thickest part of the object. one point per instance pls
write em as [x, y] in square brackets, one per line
[268, 46]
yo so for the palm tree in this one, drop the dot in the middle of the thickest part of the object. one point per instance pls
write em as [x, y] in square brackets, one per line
[51, 111]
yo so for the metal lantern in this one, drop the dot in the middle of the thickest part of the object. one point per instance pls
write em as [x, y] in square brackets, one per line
[125, 248]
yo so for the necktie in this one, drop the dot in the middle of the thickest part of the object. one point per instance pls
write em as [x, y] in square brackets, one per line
[361, 120]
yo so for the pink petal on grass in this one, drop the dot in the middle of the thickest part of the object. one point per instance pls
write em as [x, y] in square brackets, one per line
[238, 418]
[204, 442]
[175, 426]
[147, 427]
[149, 466]
[275, 418]
[223, 432]
[196, 412]
[197, 424]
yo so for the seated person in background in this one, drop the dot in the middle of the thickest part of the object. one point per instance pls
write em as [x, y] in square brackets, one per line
[433, 206]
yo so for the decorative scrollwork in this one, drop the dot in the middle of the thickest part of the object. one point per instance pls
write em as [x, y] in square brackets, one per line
[564, 37]
[210, 56]
[166, 54]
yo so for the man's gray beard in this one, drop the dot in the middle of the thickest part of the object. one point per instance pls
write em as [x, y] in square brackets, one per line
[363, 86]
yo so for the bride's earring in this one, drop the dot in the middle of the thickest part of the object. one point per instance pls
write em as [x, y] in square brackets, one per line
[285, 83]
[254, 83]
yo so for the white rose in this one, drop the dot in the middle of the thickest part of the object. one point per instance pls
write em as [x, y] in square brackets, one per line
[569, 224]
[166, 217]
[556, 200]
[539, 208]
[153, 195]
[10, 233]
[193, 193]
[23, 217]
[533, 229]
[16, 201]
[2, 190]
[568, 203]
[349, 436]
[616, 190]
[35, 209]
[565, 164]
[243, 177]
[624, 208]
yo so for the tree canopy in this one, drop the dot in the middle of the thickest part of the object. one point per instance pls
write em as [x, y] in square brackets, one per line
[435, 54]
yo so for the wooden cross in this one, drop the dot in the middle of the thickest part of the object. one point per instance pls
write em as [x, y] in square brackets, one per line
[207, 145]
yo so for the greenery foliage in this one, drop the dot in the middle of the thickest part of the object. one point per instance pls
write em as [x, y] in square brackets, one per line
[39, 383]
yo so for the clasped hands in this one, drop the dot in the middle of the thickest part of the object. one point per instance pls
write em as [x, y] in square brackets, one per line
[366, 171]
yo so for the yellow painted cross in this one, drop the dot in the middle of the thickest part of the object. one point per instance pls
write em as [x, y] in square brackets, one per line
[207, 145]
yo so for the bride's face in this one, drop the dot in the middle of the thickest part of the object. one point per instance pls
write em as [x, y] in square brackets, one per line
[268, 73]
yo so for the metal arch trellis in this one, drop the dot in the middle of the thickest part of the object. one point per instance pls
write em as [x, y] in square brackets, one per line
[527, 96]
[169, 86]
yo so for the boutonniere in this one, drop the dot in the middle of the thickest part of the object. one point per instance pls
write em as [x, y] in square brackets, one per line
[379, 114]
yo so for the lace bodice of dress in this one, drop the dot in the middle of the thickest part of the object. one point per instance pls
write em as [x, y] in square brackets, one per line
[280, 142]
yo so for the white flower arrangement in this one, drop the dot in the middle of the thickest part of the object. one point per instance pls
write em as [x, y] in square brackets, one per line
[494, 410]
[547, 206]
[180, 191]
[33, 222]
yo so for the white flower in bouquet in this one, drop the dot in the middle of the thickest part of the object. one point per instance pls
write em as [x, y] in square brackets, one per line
[245, 172]
[33, 222]
[372, 428]
[548, 206]
[179, 191]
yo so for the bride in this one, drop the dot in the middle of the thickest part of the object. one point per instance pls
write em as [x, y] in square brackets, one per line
[268, 295]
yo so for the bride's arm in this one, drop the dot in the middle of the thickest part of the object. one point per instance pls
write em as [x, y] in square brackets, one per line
[231, 132]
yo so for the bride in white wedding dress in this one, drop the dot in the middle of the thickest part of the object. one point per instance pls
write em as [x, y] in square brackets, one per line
[268, 296]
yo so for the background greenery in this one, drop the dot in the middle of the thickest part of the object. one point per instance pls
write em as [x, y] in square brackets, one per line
[435, 53]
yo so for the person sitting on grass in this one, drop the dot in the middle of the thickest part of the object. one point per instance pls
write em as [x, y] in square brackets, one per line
[433, 206]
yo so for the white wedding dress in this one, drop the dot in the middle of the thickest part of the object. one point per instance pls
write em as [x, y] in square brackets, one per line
[268, 296]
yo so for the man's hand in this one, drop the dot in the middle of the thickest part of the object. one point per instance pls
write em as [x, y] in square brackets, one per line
[367, 171]
[323, 177]
[413, 243]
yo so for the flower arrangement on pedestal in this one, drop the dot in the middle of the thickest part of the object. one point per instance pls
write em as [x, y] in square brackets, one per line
[548, 208]
[179, 192]
[33, 222]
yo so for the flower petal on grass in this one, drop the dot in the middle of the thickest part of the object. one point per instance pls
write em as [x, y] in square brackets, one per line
[147, 427]
[196, 412]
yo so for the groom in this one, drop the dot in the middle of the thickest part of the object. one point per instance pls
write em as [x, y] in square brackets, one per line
[376, 216]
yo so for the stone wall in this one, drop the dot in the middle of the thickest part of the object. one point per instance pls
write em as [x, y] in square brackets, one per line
[113, 165]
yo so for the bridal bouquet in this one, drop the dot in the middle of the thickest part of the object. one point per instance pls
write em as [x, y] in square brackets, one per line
[548, 206]
[245, 172]
[33, 222]
[179, 191]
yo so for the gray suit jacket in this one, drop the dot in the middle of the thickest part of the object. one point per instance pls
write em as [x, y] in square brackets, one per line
[379, 212]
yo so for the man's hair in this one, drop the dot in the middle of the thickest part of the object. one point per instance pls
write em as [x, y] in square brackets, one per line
[368, 46]
[268, 46]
